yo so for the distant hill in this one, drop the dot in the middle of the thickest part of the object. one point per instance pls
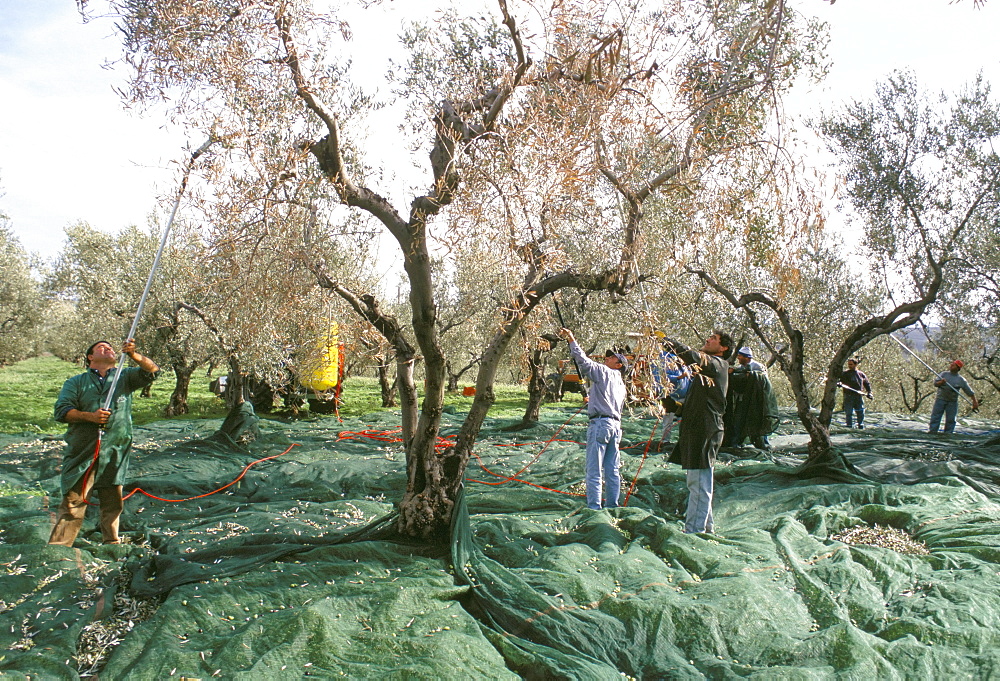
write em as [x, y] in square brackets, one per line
[914, 336]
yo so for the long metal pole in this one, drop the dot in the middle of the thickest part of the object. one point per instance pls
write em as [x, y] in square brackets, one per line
[563, 325]
[156, 263]
[932, 369]
[142, 302]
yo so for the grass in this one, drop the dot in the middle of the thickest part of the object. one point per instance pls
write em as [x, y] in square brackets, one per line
[28, 391]
[10, 491]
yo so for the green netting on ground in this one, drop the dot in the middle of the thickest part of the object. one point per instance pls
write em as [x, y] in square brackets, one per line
[295, 570]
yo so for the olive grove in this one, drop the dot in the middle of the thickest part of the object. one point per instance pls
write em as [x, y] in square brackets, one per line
[21, 302]
[539, 132]
[923, 177]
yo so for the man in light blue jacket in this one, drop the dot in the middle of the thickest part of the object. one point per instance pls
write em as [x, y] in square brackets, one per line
[946, 404]
[604, 408]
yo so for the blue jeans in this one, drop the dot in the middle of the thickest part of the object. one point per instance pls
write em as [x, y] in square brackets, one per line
[603, 462]
[950, 412]
[700, 484]
[853, 402]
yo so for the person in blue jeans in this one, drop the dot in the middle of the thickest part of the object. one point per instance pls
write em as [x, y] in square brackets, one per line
[946, 403]
[702, 426]
[678, 382]
[853, 383]
[606, 399]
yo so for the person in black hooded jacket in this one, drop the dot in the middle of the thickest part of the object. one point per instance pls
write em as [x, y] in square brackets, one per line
[702, 428]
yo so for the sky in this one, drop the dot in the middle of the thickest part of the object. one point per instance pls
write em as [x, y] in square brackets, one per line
[70, 152]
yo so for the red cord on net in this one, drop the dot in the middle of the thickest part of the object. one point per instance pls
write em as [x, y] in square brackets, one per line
[523, 482]
[384, 436]
[527, 465]
[641, 462]
[448, 441]
[389, 436]
[515, 478]
[174, 501]
[216, 491]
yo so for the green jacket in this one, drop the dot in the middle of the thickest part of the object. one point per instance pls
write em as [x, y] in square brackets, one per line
[87, 392]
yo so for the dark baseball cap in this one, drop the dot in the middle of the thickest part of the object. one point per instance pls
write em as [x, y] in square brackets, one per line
[90, 350]
[619, 356]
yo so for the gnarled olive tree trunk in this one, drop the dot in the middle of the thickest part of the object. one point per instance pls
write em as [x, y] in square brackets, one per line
[178, 398]
[387, 388]
[822, 458]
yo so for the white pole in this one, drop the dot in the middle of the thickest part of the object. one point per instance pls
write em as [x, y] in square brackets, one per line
[156, 263]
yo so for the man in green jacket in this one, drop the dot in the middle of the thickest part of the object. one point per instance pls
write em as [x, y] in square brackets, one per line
[80, 404]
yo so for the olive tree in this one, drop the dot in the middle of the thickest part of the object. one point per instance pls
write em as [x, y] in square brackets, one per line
[21, 302]
[101, 276]
[530, 142]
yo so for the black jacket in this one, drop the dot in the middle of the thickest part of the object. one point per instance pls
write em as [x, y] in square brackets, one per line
[702, 427]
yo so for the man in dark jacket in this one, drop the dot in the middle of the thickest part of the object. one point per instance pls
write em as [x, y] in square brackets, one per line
[702, 427]
[80, 404]
[855, 386]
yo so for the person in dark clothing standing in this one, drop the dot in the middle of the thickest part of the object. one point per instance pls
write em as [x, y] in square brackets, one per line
[748, 403]
[702, 427]
[855, 387]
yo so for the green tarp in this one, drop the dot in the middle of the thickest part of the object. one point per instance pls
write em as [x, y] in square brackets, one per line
[295, 570]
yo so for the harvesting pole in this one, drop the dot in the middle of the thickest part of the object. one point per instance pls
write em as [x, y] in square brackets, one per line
[142, 301]
[932, 370]
[156, 264]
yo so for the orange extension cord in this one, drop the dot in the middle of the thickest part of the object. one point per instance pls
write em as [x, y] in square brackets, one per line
[391, 436]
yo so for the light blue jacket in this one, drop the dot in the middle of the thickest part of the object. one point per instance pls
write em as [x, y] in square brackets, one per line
[607, 387]
[952, 384]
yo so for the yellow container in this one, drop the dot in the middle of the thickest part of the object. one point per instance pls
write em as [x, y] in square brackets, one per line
[322, 373]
